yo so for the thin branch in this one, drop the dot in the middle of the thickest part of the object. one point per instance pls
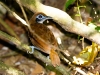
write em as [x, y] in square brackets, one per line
[14, 14]
[10, 31]
[25, 16]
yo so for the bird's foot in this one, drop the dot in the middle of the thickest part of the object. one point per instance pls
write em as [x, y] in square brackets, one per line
[32, 49]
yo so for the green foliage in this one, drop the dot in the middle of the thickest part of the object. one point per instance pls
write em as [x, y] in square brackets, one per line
[69, 2]
[30, 2]
[97, 28]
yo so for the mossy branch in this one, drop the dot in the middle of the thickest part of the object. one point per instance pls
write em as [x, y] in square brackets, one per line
[36, 53]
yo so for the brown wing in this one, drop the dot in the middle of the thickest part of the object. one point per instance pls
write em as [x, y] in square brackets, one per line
[45, 33]
[42, 37]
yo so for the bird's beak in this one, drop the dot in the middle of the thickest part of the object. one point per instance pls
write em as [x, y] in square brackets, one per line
[44, 19]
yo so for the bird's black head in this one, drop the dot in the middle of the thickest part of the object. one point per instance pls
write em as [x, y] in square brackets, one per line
[40, 18]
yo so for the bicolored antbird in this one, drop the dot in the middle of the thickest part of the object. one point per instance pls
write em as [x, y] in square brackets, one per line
[42, 37]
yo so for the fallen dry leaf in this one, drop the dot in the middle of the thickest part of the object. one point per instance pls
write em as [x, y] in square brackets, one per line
[37, 70]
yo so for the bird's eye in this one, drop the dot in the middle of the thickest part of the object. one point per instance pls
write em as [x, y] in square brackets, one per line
[40, 16]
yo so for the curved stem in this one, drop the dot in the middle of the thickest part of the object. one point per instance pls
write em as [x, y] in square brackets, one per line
[63, 19]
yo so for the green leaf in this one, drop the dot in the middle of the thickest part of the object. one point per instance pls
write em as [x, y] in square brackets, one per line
[69, 2]
[97, 28]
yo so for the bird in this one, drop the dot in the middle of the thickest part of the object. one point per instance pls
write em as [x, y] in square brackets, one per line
[42, 37]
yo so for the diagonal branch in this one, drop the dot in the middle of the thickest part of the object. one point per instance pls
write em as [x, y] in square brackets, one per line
[36, 53]
[63, 19]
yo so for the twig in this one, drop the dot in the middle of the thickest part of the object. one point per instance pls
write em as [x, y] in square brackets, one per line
[10, 31]
[14, 14]
[23, 13]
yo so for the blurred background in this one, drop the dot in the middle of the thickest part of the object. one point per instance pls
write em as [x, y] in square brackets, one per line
[84, 11]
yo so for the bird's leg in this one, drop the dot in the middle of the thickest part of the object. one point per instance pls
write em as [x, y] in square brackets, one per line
[32, 48]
